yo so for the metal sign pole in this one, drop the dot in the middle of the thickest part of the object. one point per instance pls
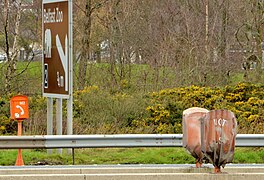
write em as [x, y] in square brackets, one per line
[50, 119]
[69, 119]
[70, 100]
[59, 119]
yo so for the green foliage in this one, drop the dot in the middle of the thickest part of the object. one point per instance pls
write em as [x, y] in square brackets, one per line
[37, 123]
[96, 111]
[166, 106]
[6, 125]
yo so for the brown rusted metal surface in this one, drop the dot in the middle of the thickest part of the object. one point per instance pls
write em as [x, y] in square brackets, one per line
[218, 133]
[217, 169]
[192, 132]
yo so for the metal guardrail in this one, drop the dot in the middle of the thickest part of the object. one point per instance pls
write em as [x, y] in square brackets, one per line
[250, 140]
[106, 141]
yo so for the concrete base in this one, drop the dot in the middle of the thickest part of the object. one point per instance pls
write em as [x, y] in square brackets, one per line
[122, 169]
[131, 172]
[138, 176]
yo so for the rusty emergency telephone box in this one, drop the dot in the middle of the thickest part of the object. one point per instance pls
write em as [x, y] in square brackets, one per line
[192, 132]
[218, 134]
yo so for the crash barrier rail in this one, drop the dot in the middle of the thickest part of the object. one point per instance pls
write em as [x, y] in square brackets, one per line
[106, 141]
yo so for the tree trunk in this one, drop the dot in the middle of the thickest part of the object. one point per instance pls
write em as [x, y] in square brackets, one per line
[11, 58]
[223, 42]
[225, 69]
[85, 53]
[259, 40]
[115, 50]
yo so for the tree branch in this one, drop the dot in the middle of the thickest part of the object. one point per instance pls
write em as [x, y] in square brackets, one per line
[31, 59]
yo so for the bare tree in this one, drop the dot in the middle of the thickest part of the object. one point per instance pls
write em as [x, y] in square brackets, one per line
[21, 29]
[11, 57]
[191, 41]
[85, 9]
[258, 21]
[249, 35]
[85, 50]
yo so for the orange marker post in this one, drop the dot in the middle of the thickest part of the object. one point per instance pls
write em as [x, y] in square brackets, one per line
[19, 160]
[19, 112]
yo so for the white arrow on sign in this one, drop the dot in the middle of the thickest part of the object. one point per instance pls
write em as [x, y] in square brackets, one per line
[63, 57]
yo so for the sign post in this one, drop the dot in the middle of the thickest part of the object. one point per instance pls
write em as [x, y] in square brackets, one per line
[49, 119]
[57, 59]
[19, 112]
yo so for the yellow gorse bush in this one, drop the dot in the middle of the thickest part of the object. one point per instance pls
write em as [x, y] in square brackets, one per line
[98, 111]
[245, 100]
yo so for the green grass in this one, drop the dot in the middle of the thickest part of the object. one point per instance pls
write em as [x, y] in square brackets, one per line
[237, 77]
[249, 155]
[27, 79]
[122, 156]
[136, 78]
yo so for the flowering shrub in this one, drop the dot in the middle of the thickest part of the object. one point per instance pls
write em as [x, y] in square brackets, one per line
[96, 111]
[6, 125]
[164, 112]
[99, 112]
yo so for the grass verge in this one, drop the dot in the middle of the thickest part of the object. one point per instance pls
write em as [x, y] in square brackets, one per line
[121, 156]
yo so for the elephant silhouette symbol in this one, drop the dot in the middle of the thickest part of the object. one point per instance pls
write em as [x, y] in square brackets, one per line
[47, 48]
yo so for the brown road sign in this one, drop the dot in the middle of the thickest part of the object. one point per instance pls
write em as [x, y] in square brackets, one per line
[56, 52]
